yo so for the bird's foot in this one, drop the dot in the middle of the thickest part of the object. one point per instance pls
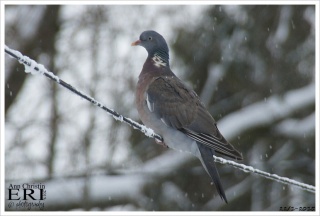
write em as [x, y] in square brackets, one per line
[161, 143]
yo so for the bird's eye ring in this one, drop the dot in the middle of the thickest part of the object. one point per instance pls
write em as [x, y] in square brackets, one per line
[150, 38]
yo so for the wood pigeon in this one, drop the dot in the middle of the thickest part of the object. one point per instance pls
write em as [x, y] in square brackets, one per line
[174, 111]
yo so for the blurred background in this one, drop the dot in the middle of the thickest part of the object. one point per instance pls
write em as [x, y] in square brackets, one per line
[253, 66]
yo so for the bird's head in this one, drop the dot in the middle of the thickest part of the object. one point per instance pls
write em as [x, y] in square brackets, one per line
[154, 43]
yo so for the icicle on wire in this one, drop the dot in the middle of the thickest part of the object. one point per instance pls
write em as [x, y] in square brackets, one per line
[33, 67]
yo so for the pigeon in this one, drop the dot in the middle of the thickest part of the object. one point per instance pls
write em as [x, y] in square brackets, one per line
[174, 110]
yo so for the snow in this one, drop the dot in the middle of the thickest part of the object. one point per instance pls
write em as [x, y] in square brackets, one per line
[267, 111]
[30, 65]
[119, 118]
[147, 131]
[297, 128]
[43, 70]
[16, 53]
[216, 73]
[282, 31]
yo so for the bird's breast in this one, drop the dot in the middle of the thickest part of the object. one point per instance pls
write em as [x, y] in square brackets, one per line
[172, 137]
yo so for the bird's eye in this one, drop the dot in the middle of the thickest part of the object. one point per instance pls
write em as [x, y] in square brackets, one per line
[149, 38]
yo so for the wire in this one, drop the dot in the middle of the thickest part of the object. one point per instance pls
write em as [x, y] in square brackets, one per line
[275, 177]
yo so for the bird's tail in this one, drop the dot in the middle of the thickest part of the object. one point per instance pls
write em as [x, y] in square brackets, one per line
[209, 165]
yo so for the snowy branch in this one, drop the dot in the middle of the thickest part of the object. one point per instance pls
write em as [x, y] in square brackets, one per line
[266, 112]
[272, 110]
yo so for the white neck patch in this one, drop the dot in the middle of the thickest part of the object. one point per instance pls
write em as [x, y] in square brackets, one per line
[158, 61]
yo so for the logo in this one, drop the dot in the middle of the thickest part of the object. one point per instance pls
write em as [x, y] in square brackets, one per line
[26, 196]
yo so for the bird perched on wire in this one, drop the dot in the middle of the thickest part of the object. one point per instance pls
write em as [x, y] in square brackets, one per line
[174, 111]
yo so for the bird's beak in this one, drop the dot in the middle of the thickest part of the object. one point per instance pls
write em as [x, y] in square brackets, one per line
[136, 43]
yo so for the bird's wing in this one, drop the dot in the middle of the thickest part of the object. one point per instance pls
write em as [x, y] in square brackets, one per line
[180, 107]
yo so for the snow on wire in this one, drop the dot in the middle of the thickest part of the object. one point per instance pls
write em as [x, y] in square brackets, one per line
[33, 67]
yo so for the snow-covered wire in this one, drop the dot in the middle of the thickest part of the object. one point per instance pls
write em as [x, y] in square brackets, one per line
[274, 177]
[33, 67]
